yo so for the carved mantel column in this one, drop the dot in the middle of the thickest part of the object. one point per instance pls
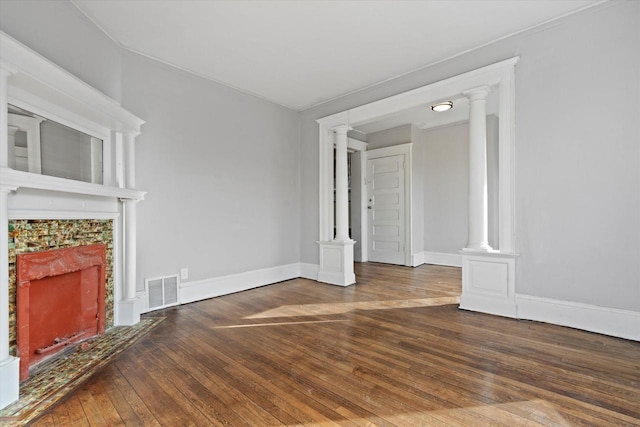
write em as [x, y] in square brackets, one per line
[478, 239]
[129, 305]
[9, 365]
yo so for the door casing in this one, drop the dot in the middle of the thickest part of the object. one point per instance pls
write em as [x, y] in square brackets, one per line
[404, 150]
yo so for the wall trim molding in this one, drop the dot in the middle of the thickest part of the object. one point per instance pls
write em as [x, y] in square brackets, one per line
[441, 258]
[417, 259]
[602, 320]
[223, 285]
[309, 271]
[16, 214]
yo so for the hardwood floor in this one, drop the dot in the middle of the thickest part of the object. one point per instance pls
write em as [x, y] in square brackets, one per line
[382, 352]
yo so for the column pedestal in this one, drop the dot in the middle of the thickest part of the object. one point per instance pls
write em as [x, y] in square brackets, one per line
[488, 282]
[336, 262]
[9, 381]
[129, 311]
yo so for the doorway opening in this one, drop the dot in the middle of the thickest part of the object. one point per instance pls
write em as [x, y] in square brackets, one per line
[496, 78]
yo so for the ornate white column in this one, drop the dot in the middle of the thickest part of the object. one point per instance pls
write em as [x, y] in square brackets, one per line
[336, 256]
[478, 239]
[129, 306]
[342, 184]
[488, 276]
[9, 365]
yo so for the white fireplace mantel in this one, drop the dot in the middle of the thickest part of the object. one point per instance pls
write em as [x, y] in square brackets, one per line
[31, 82]
[13, 180]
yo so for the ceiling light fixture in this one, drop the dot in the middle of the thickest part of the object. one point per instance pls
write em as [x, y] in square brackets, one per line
[442, 106]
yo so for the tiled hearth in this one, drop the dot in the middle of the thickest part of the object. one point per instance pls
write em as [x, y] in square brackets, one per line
[53, 379]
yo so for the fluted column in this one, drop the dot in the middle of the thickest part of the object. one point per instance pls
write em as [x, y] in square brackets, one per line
[478, 238]
[342, 184]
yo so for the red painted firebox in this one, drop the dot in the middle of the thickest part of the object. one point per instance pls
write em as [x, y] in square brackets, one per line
[61, 300]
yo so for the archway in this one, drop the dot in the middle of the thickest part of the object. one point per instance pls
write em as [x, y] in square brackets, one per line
[488, 275]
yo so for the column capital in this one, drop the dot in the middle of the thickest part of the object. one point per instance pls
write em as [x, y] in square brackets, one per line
[341, 129]
[130, 133]
[8, 188]
[128, 201]
[5, 72]
[477, 93]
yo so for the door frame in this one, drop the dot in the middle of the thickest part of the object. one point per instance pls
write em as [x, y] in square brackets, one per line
[404, 150]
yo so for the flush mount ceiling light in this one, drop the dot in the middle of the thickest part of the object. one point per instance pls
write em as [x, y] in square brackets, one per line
[442, 106]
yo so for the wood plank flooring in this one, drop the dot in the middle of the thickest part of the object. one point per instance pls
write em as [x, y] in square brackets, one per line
[384, 352]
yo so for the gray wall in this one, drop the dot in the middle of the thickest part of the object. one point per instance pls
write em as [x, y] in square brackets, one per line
[578, 164]
[221, 169]
[445, 167]
[389, 137]
[446, 188]
[61, 33]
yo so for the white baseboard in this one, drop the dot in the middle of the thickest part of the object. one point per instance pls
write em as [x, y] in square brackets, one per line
[309, 271]
[439, 258]
[217, 286]
[417, 259]
[338, 279]
[490, 305]
[603, 320]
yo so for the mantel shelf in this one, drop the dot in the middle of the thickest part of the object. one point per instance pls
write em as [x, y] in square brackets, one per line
[12, 180]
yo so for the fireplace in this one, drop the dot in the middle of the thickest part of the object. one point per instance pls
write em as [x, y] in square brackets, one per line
[60, 300]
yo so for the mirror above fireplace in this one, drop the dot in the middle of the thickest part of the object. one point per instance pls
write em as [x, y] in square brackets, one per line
[42, 146]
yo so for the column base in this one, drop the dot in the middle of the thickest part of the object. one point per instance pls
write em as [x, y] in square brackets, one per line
[129, 312]
[488, 282]
[336, 263]
[9, 381]
[481, 248]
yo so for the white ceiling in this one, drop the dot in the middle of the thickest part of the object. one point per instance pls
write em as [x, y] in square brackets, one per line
[302, 53]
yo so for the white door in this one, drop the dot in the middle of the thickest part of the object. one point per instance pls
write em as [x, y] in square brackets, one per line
[386, 209]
